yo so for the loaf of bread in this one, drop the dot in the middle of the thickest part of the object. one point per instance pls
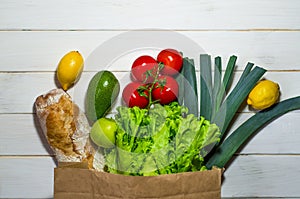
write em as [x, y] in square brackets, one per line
[65, 127]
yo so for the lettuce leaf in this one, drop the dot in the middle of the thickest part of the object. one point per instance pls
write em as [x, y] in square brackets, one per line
[161, 140]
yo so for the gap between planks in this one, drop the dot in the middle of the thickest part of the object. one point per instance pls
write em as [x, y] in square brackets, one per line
[234, 156]
[26, 156]
[123, 71]
[153, 30]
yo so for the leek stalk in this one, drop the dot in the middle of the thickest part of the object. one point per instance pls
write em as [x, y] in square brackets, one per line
[226, 150]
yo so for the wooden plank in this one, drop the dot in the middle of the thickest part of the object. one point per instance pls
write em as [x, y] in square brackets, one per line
[262, 176]
[26, 177]
[203, 14]
[21, 135]
[278, 137]
[34, 35]
[248, 176]
[18, 91]
[271, 50]
[13, 93]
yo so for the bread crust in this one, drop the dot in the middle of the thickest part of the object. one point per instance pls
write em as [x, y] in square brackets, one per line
[65, 127]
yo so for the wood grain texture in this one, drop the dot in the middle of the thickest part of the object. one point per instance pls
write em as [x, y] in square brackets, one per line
[42, 50]
[192, 14]
[21, 135]
[248, 176]
[263, 176]
[278, 137]
[28, 177]
[21, 99]
[35, 34]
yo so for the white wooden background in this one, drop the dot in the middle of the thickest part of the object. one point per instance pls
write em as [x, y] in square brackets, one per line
[35, 34]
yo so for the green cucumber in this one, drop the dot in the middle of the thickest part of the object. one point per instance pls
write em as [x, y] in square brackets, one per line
[102, 92]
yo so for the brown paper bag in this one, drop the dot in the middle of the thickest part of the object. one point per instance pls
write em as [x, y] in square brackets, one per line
[86, 184]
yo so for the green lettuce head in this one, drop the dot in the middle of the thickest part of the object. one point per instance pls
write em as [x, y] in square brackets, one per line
[161, 140]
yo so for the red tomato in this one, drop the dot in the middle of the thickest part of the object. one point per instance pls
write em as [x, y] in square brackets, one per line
[132, 96]
[165, 90]
[140, 67]
[172, 61]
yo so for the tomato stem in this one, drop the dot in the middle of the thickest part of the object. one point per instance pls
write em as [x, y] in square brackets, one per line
[160, 66]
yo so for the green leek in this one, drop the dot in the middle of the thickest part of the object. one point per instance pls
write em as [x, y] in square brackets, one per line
[190, 86]
[205, 86]
[226, 150]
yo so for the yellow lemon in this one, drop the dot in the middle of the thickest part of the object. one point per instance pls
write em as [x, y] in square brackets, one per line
[263, 95]
[69, 69]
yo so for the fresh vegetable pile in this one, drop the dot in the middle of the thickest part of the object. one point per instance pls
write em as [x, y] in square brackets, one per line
[172, 119]
[167, 124]
[161, 140]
